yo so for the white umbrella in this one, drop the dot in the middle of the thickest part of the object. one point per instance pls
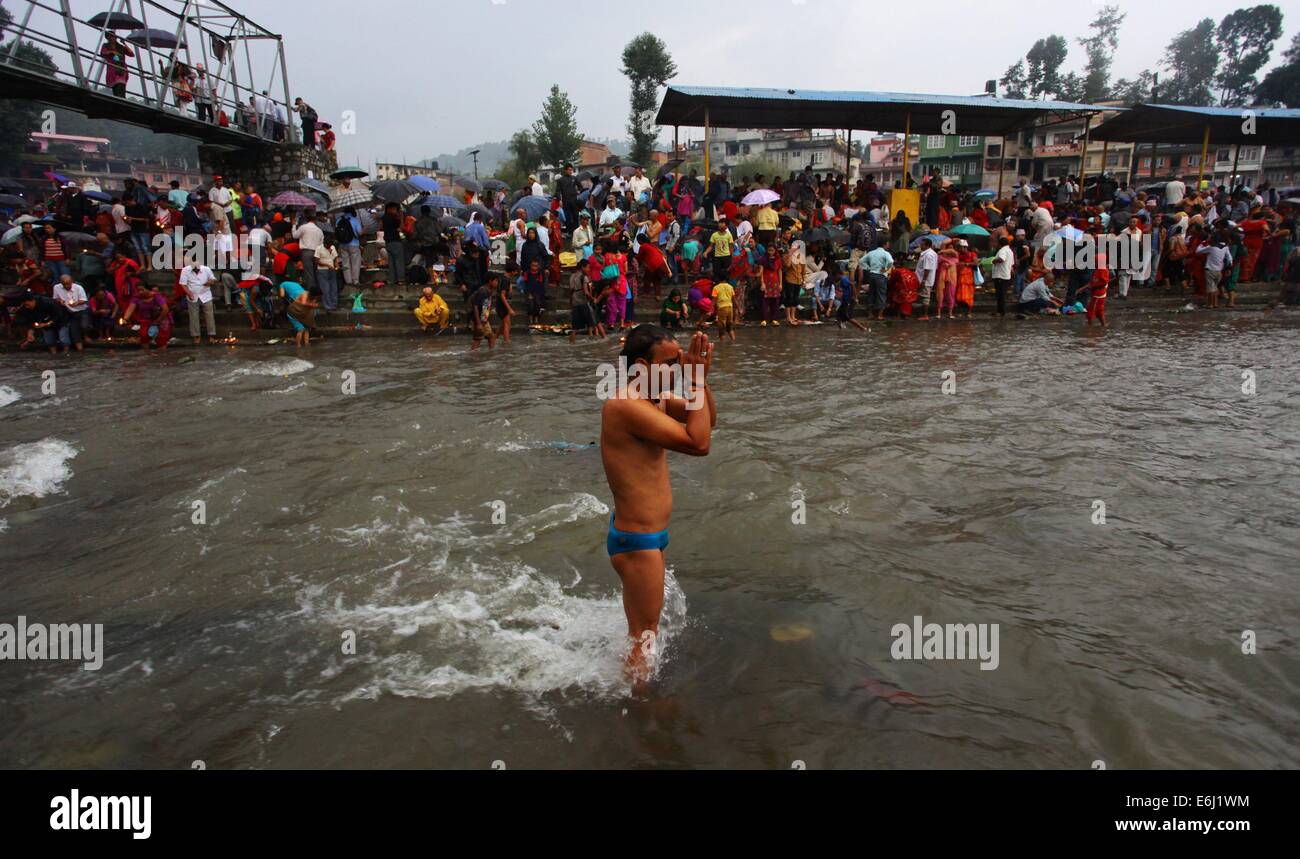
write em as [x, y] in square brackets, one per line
[11, 236]
[761, 197]
[356, 194]
[26, 219]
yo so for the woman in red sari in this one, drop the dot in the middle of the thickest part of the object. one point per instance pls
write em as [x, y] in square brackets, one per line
[1194, 263]
[1256, 230]
[126, 276]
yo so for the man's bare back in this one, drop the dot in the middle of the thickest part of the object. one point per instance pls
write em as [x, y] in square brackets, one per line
[636, 434]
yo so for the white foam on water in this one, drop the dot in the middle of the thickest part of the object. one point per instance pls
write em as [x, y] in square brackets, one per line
[4, 525]
[288, 390]
[496, 623]
[35, 470]
[276, 367]
[8, 395]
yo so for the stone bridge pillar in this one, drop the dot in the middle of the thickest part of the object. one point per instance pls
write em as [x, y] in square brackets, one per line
[271, 169]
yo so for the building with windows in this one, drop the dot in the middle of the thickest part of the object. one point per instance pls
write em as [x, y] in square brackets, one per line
[391, 172]
[885, 159]
[1280, 166]
[958, 158]
[792, 151]
[1249, 162]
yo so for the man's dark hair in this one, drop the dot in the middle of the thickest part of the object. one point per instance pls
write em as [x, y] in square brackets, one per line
[175, 183]
[425, 210]
[641, 342]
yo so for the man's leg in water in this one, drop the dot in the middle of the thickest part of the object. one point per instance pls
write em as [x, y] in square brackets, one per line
[643, 601]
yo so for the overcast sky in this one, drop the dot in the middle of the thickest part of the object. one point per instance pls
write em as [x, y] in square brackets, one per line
[431, 76]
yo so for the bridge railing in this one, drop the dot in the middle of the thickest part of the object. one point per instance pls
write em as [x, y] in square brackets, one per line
[159, 74]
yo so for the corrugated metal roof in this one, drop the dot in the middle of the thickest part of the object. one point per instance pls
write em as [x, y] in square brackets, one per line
[1177, 123]
[750, 107]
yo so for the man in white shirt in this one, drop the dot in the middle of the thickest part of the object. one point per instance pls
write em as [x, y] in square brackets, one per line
[926, 269]
[1131, 237]
[1041, 220]
[1175, 191]
[1218, 259]
[197, 281]
[584, 238]
[310, 237]
[72, 296]
[617, 184]
[611, 213]
[640, 186]
[1003, 263]
[535, 187]
[220, 197]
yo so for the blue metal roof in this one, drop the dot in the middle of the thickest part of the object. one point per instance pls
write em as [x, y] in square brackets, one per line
[1180, 123]
[752, 107]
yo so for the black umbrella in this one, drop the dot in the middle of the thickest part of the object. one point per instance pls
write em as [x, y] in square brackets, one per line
[9, 200]
[155, 39]
[395, 191]
[670, 166]
[495, 185]
[450, 222]
[115, 21]
[585, 175]
[484, 213]
[468, 184]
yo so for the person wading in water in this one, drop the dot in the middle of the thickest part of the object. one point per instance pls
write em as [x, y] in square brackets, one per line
[637, 431]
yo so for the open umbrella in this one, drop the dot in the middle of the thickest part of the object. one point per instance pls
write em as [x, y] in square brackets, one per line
[761, 197]
[1070, 233]
[155, 39]
[484, 213]
[287, 199]
[395, 191]
[1294, 201]
[99, 196]
[11, 236]
[349, 173]
[451, 222]
[115, 21]
[929, 238]
[13, 202]
[356, 194]
[315, 185]
[426, 184]
[468, 184]
[78, 240]
[533, 206]
[987, 193]
[968, 230]
[495, 185]
[26, 219]
[439, 201]
[669, 166]
[57, 177]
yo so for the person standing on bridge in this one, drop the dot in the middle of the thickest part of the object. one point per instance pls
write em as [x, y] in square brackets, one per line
[205, 92]
[115, 53]
[309, 117]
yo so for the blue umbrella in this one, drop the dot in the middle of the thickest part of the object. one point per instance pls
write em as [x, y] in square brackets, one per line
[986, 192]
[99, 196]
[424, 183]
[439, 201]
[315, 185]
[533, 206]
[1070, 233]
[928, 237]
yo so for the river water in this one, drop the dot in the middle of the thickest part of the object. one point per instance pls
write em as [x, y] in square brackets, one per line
[330, 517]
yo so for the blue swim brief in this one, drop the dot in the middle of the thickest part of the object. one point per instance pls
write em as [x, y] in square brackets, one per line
[622, 542]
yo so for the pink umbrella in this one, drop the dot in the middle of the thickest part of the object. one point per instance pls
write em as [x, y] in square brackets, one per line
[293, 199]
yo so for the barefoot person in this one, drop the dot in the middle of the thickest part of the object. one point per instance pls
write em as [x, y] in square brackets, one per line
[636, 434]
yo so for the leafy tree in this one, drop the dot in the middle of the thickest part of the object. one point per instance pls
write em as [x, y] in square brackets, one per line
[1043, 75]
[649, 66]
[1282, 85]
[1245, 40]
[524, 160]
[1139, 90]
[20, 117]
[1192, 58]
[1100, 48]
[1013, 82]
[556, 133]
[1072, 87]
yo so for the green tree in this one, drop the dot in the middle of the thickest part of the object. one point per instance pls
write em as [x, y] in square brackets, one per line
[556, 133]
[1013, 81]
[1139, 90]
[1100, 48]
[648, 66]
[1192, 59]
[524, 159]
[1245, 39]
[1043, 74]
[1072, 87]
[1282, 85]
[20, 117]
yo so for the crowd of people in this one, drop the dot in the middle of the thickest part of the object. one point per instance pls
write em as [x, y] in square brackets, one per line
[804, 249]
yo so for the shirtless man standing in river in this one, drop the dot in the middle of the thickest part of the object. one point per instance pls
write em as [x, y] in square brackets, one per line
[636, 434]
